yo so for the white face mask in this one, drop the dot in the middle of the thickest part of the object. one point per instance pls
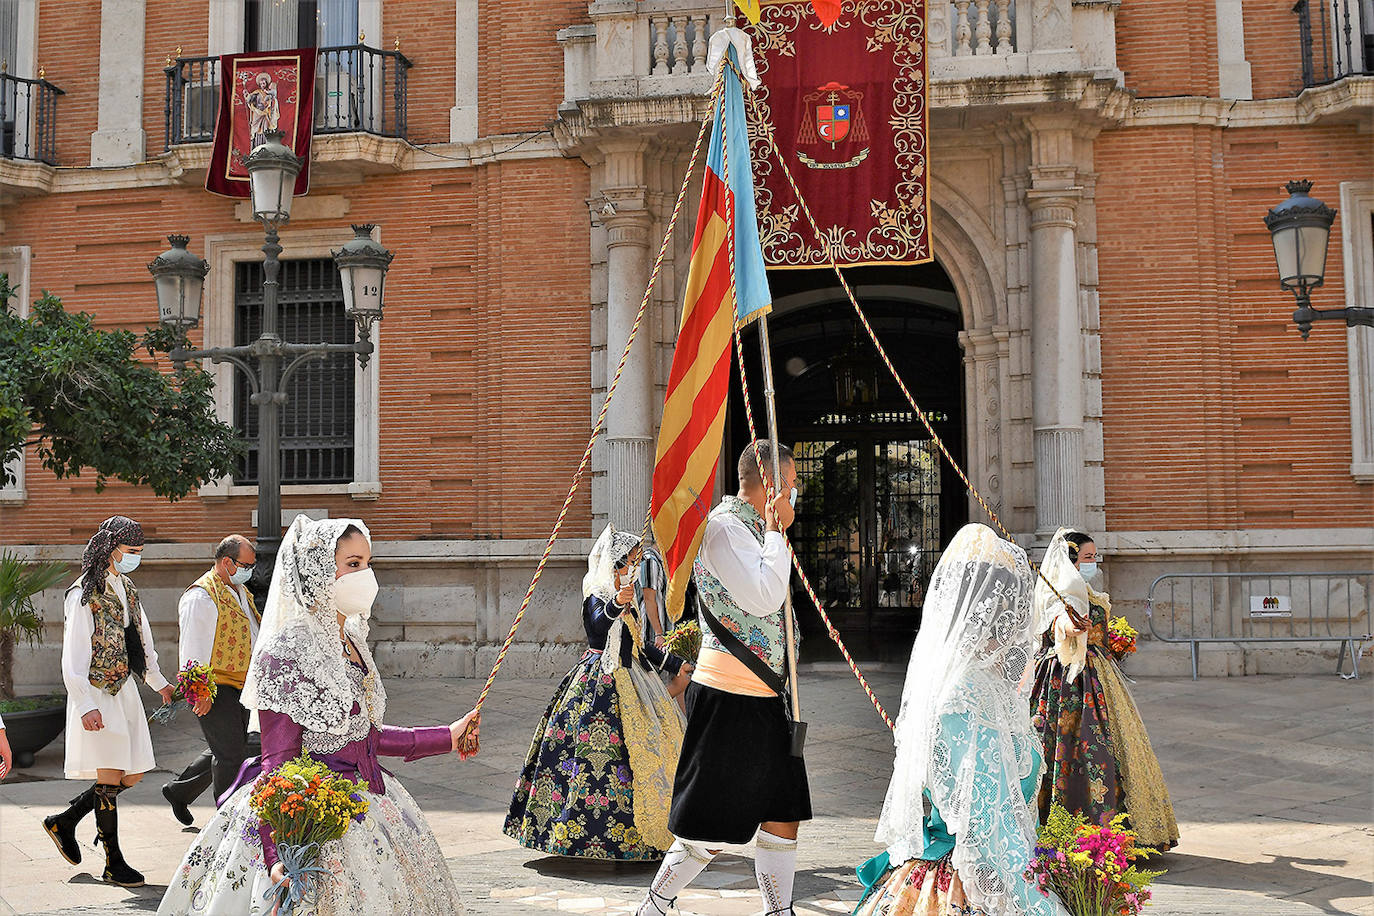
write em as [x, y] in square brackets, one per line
[793, 497]
[1089, 570]
[355, 592]
[128, 563]
[241, 575]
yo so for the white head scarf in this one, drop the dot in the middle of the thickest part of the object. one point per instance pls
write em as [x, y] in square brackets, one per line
[1059, 571]
[607, 555]
[298, 666]
[964, 733]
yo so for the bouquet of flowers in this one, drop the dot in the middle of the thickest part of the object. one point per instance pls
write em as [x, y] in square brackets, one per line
[1121, 637]
[684, 640]
[1091, 868]
[306, 804]
[195, 682]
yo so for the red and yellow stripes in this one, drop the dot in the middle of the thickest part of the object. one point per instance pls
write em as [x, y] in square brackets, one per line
[693, 427]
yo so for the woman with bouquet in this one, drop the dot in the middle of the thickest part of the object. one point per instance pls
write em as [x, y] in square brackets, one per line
[107, 648]
[1100, 762]
[317, 690]
[598, 779]
[957, 822]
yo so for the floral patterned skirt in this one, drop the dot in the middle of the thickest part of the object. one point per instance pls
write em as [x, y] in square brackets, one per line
[575, 795]
[1081, 772]
[918, 888]
[390, 862]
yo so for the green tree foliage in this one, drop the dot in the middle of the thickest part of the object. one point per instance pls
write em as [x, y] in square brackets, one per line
[86, 400]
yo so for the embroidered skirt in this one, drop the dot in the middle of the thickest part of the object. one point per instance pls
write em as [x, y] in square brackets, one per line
[388, 863]
[918, 888]
[736, 770]
[575, 794]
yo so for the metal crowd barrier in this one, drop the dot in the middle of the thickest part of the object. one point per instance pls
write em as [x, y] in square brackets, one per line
[1280, 607]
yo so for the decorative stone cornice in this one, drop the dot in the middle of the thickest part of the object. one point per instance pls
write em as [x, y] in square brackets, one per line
[1349, 100]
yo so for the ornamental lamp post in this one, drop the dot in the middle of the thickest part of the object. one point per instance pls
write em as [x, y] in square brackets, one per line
[268, 362]
[180, 280]
[1301, 231]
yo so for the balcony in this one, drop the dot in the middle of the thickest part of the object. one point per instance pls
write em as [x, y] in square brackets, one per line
[28, 119]
[357, 90]
[1337, 40]
[641, 62]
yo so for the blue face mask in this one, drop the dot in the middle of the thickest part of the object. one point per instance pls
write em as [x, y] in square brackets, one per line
[128, 563]
[792, 497]
[241, 575]
[1090, 571]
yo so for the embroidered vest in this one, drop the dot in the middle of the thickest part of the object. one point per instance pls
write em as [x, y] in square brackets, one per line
[109, 650]
[763, 635]
[233, 638]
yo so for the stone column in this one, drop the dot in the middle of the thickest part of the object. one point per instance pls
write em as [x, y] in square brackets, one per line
[119, 138]
[629, 423]
[1056, 333]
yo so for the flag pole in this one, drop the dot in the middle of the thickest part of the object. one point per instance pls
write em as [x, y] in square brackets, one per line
[770, 403]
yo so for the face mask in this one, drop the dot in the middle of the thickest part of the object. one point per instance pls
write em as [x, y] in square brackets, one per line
[241, 575]
[128, 563]
[355, 592]
[1089, 570]
[793, 497]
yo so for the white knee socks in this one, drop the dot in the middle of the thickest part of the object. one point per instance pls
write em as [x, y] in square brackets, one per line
[684, 861]
[775, 865]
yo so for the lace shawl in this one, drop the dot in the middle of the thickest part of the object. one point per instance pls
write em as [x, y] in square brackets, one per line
[298, 667]
[607, 555]
[963, 735]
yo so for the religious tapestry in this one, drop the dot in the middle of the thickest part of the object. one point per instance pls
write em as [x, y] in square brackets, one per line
[261, 92]
[847, 106]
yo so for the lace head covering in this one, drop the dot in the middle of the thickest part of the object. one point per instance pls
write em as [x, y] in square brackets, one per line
[298, 666]
[608, 555]
[95, 560]
[963, 735]
[1059, 571]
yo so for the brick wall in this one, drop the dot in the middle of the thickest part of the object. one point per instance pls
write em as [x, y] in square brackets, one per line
[483, 414]
[1216, 414]
[69, 53]
[1274, 48]
[1168, 47]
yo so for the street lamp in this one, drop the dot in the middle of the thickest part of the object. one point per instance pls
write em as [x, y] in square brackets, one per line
[180, 280]
[269, 362]
[1301, 230]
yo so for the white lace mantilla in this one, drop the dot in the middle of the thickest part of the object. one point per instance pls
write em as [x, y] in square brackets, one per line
[359, 725]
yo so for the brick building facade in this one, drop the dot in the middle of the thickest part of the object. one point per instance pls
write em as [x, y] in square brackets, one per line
[1104, 293]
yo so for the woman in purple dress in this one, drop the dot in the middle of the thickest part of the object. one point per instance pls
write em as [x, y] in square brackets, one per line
[316, 689]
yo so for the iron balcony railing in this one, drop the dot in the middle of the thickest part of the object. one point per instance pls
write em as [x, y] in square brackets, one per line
[1337, 39]
[28, 119]
[357, 90]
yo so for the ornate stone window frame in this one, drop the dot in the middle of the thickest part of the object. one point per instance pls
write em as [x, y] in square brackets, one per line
[223, 252]
[15, 262]
[1357, 246]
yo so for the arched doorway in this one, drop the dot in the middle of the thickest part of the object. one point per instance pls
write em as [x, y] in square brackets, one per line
[877, 501]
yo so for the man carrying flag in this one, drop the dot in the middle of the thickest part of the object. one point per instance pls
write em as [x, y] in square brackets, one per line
[737, 775]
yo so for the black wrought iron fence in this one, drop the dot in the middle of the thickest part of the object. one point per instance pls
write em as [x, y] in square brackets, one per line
[28, 119]
[1337, 39]
[357, 89]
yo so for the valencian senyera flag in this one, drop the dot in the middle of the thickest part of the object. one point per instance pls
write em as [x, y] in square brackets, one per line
[261, 92]
[846, 99]
[690, 438]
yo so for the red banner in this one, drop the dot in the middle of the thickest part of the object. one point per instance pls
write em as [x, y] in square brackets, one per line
[847, 103]
[259, 92]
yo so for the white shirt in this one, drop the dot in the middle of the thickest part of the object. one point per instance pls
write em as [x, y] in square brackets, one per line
[76, 647]
[199, 618]
[755, 576]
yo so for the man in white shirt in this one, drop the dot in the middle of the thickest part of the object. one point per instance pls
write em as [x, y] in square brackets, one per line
[737, 778]
[219, 624]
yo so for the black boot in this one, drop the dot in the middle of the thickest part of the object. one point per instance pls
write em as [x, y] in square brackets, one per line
[62, 827]
[117, 871]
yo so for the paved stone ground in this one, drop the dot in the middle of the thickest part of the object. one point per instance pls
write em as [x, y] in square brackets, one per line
[1271, 778]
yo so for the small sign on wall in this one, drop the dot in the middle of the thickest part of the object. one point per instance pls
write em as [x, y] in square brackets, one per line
[1271, 606]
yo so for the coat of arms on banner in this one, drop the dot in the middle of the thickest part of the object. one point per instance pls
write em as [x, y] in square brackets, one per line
[838, 118]
[261, 92]
[847, 104]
